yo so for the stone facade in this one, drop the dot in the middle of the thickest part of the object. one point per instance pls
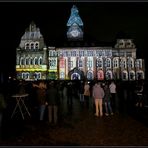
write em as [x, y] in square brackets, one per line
[35, 61]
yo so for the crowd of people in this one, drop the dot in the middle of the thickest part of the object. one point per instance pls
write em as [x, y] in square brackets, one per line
[105, 98]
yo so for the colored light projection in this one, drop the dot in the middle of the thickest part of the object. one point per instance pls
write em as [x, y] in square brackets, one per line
[62, 68]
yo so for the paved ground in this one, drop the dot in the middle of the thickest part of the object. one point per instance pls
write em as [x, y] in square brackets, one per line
[77, 128]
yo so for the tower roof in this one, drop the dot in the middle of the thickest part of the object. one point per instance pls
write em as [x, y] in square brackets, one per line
[74, 17]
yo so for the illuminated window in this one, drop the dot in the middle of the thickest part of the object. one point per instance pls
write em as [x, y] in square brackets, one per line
[35, 61]
[109, 75]
[108, 62]
[52, 62]
[31, 45]
[37, 75]
[131, 75]
[31, 61]
[139, 75]
[130, 63]
[27, 46]
[115, 63]
[36, 45]
[89, 63]
[100, 75]
[27, 61]
[25, 75]
[90, 75]
[80, 63]
[99, 63]
[62, 75]
[40, 61]
[22, 61]
[75, 76]
[124, 75]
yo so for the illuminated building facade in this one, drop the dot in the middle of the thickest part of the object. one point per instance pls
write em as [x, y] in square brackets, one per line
[36, 61]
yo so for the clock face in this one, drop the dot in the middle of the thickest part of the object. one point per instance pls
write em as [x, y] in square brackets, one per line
[75, 33]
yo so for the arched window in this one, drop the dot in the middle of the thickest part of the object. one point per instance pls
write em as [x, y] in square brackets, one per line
[80, 63]
[139, 75]
[123, 63]
[108, 62]
[116, 63]
[90, 75]
[140, 63]
[100, 75]
[99, 63]
[35, 61]
[22, 61]
[25, 75]
[75, 76]
[36, 45]
[132, 75]
[26, 45]
[62, 75]
[109, 75]
[37, 75]
[31, 45]
[124, 75]
[40, 62]
[130, 62]
[31, 61]
[27, 61]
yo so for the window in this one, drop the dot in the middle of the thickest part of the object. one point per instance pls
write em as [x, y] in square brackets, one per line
[90, 75]
[131, 75]
[99, 63]
[31, 45]
[27, 61]
[25, 75]
[22, 61]
[31, 61]
[37, 75]
[116, 63]
[80, 63]
[109, 75]
[40, 61]
[35, 61]
[36, 45]
[89, 63]
[27, 46]
[108, 62]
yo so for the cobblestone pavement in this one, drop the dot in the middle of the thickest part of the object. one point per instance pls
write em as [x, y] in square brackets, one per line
[77, 128]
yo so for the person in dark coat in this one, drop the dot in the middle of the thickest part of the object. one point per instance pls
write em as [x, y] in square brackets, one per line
[52, 101]
[108, 108]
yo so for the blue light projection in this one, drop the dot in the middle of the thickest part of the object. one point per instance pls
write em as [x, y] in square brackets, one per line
[74, 17]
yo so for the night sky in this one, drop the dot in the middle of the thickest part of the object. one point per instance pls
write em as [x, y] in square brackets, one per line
[102, 22]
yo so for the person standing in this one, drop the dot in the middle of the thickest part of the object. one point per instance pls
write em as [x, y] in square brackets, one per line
[112, 88]
[52, 102]
[108, 108]
[41, 98]
[86, 94]
[98, 94]
[81, 93]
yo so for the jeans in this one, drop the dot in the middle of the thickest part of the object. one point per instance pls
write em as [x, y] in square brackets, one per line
[81, 98]
[42, 111]
[108, 107]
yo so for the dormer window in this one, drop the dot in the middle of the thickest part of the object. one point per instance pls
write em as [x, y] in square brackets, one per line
[27, 46]
[36, 45]
[32, 45]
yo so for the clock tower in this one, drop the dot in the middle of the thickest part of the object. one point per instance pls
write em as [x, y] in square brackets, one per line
[75, 25]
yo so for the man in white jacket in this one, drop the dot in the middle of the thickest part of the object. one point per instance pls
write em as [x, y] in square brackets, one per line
[98, 94]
